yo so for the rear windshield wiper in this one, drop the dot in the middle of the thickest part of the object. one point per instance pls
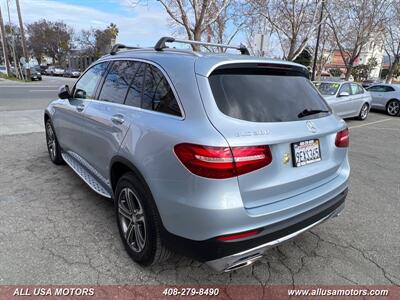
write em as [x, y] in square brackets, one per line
[308, 112]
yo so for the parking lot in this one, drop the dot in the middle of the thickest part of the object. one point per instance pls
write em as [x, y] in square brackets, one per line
[54, 229]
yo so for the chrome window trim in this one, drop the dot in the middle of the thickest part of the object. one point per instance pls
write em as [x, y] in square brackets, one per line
[137, 109]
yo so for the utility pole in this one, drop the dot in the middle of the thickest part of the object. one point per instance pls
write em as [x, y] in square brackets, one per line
[21, 27]
[17, 73]
[317, 45]
[4, 44]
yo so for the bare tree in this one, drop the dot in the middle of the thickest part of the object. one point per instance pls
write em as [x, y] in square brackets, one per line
[195, 16]
[354, 23]
[227, 24]
[326, 48]
[392, 46]
[292, 22]
[97, 42]
[86, 41]
[261, 39]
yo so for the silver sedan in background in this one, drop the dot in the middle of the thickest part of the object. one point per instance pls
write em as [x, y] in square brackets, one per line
[347, 99]
[386, 97]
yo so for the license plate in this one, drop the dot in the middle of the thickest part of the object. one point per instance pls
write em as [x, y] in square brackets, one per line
[306, 152]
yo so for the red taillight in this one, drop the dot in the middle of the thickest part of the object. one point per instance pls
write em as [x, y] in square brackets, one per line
[222, 162]
[237, 235]
[342, 138]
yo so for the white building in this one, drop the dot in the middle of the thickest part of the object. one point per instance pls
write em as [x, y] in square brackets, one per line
[374, 48]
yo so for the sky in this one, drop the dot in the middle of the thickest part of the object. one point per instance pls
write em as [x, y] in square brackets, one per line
[139, 25]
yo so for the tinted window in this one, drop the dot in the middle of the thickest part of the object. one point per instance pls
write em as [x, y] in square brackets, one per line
[261, 96]
[134, 96]
[345, 88]
[85, 88]
[356, 89]
[388, 89]
[157, 93]
[360, 89]
[376, 88]
[117, 81]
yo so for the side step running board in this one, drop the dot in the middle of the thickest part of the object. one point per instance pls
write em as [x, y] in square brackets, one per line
[85, 175]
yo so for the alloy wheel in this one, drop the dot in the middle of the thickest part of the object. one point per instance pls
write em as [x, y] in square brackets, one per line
[393, 108]
[51, 141]
[364, 112]
[132, 219]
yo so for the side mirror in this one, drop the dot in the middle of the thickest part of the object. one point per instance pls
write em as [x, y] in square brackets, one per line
[344, 94]
[63, 92]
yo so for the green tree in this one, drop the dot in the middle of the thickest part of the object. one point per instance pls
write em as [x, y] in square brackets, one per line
[105, 38]
[372, 64]
[335, 72]
[49, 38]
[362, 72]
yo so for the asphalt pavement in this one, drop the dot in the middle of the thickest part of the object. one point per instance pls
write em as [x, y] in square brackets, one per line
[17, 95]
[55, 230]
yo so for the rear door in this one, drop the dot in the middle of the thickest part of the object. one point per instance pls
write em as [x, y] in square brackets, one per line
[261, 106]
[389, 93]
[357, 99]
[377, 94]
[343, 104]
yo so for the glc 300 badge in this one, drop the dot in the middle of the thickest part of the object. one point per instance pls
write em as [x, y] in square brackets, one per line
[286, 158]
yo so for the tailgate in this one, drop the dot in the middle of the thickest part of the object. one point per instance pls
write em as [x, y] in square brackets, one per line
[281, 179]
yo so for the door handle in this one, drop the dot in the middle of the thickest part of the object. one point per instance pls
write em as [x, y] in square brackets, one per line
[80, 107]
[118, 119]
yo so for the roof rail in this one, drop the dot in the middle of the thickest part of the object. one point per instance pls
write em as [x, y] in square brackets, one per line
[116, 48]
[161, 44]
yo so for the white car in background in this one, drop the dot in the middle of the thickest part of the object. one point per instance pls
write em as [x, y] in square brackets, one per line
[386, 97]
[3, 70]
[347, 99]
[54, 71]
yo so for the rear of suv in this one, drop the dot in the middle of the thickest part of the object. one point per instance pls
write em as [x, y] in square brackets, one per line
[214, 156]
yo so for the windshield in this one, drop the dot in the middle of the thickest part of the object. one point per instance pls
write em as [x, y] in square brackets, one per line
[327, 88]
[249, 95]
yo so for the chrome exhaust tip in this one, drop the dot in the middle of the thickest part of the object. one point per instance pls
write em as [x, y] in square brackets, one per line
[243, 263]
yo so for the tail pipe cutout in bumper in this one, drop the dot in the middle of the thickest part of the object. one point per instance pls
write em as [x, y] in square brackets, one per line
[247, 257]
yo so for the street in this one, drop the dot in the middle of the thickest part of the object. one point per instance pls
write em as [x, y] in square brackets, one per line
[55, 230]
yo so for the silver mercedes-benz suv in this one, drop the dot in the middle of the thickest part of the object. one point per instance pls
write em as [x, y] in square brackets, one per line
[214, 156]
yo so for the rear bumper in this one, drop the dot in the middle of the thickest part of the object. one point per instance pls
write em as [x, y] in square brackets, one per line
[229, 255]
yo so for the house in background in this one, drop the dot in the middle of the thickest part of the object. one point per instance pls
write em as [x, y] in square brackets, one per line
[80, 59]
[373, 49]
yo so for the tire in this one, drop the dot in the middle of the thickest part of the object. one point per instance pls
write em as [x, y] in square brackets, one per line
[393, 107]
[138, 222]
[53, 147]
[363, 112]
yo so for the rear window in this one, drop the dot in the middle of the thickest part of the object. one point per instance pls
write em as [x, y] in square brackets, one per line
[259, 95]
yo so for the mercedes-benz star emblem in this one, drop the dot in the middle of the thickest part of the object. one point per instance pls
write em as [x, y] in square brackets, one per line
[311, 126]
